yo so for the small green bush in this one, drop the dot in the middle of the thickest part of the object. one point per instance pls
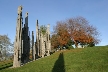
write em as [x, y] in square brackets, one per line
[70, 47]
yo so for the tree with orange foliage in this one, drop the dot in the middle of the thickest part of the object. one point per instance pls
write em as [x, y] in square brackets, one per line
[62, 35]
[78, 30]
[54, 41]
[81, 32]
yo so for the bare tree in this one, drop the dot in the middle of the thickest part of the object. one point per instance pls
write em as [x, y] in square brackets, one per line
[4, 44]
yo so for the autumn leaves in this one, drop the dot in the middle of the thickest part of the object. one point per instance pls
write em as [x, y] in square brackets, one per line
[78, 30]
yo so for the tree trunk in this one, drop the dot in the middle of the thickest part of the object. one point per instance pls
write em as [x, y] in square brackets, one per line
[76, 44]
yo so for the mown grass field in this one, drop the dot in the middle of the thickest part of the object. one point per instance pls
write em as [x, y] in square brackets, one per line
[76, 60]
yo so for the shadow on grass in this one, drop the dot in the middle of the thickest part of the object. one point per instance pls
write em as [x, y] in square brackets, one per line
[59, 64]
[5, 66]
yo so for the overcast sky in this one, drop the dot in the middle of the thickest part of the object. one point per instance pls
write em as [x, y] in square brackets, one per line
[51, 11]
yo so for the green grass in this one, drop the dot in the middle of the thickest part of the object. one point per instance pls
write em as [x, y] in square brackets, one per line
[76, 60]
[5, 64]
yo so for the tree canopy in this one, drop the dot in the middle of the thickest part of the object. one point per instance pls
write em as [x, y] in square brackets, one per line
[78, 30]
[43, 29]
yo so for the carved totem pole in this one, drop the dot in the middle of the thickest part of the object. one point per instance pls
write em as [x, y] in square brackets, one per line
[40, 48]
[22, 40]
[18, 40]
[43, 43]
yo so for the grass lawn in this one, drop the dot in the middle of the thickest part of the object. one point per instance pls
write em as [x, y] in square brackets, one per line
[5, 64]
[93, 59]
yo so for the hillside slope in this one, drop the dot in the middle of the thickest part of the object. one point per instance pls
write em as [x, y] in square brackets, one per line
[76, 60]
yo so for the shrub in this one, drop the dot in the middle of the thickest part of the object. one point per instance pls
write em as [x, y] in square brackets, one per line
[70, 47]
